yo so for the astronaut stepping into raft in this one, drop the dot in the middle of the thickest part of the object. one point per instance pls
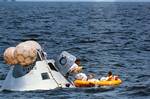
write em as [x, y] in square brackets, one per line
[74, 69]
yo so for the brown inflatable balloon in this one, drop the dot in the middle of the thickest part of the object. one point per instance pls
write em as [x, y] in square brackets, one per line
[9, 56]
[33, 44]
[26, 52]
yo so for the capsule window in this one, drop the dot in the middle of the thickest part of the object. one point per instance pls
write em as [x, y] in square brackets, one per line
[45, 76]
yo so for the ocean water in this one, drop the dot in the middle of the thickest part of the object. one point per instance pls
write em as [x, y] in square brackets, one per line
[105, 36]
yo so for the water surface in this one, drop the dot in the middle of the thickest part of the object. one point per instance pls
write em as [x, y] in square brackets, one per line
[106, 36]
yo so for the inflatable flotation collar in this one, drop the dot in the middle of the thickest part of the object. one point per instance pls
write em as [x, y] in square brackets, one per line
[113, 82]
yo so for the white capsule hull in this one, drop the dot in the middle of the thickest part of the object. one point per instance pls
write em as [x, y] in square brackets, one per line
[40, 77]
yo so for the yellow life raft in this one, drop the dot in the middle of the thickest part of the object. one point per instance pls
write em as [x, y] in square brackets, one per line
[113, 82]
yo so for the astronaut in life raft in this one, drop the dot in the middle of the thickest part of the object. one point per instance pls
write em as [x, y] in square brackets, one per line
[71, 69]
[89, 81]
